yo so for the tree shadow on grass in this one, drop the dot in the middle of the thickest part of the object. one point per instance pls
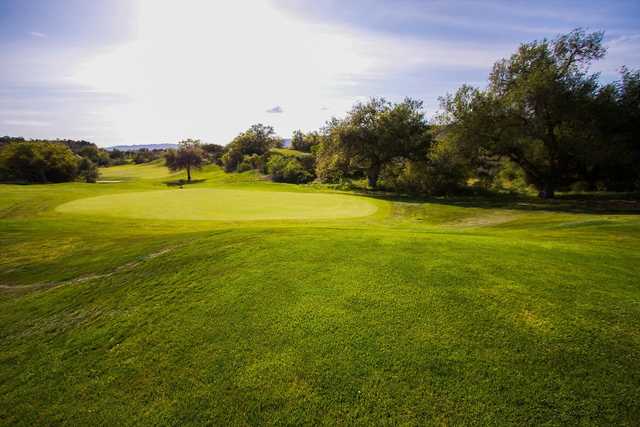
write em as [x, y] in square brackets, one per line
[183, 182]
[587, 203]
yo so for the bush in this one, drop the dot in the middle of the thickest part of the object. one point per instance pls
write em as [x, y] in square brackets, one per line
[144, 155]
[231, 160]
[258, 139]
[510, 177]
[251, 162]
[331, 165]
[88, 170]
[305, 142]
[214, 153]
[31, 161]
[287, 169]
[443, 172]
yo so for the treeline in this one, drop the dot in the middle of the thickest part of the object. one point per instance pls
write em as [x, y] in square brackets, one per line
[43, 161]
[62, 160]
[544, 122]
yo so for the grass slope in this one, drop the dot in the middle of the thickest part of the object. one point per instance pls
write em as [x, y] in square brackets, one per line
[447, 312]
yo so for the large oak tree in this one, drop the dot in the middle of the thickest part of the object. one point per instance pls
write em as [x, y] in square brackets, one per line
[375, 133]
[536, 109]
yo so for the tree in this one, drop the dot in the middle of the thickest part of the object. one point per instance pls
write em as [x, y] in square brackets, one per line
[305, 142]
[287, 169]
[144, 155]
[535, 111]
[375, 133]
[214, 152]
[258, 139]
[297, 140]
[88, 170]
[37, 161]
[188, 156]
[615, 154]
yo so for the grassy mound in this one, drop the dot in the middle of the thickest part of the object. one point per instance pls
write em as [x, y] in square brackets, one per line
[222, 205]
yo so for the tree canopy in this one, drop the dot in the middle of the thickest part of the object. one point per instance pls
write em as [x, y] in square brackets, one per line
[258, 139]
[36, 161]
[372, 135]
[538, 110]
[188, 156]
[305, 142]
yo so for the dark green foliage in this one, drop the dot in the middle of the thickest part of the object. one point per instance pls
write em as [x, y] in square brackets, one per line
[88, 170]
[370, 137]
[258, 139]
[305, 142]
[187, 157]
[4, 140]
[144, 155]
[547, 114]
[251, 162]
[288, 169]
[297, 140]
[612, 162]
[117, 157]
[442, 172]
[332, 162]
[213, 152]
[78, 147]
[32, 161]
[98, 156]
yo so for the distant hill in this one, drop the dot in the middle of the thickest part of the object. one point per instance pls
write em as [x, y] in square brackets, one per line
[141, 146]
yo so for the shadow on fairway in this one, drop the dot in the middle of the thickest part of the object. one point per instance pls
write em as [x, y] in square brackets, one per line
[181, 182]
[593, 203]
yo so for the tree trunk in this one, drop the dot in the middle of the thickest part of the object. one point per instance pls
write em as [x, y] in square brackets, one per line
[188, 173]
[372, 175]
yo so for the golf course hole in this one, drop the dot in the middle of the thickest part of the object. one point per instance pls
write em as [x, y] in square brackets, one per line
[222, 205]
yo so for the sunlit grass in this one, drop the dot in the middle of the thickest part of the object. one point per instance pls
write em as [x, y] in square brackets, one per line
[446, 312]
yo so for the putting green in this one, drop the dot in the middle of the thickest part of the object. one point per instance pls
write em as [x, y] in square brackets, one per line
[222, 205]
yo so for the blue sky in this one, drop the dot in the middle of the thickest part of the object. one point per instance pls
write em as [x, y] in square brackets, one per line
[153, 71]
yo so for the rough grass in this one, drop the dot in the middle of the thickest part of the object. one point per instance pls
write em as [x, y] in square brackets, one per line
[440, 312]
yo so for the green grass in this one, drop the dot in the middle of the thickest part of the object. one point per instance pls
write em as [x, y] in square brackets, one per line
[221, 205]
[446, 311]
[146, 171]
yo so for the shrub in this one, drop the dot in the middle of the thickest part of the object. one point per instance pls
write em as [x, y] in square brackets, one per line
[88, 170]
[442, 173]
[305, 142]
[32, 161]
[144, 155]
[287, 169]
[258, 139]
[251, 162]
[231, 160]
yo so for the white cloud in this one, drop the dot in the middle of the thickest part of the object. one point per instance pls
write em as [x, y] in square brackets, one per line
[37, 34]
[275, 110]
[207, 69]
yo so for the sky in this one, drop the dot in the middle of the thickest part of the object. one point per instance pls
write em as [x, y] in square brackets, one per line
[158, 71]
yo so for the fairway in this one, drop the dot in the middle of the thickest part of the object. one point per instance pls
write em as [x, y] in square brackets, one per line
[222, 205]
[236, 301]
[298, 213]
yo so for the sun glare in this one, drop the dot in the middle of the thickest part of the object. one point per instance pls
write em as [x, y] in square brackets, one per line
[194, 63]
